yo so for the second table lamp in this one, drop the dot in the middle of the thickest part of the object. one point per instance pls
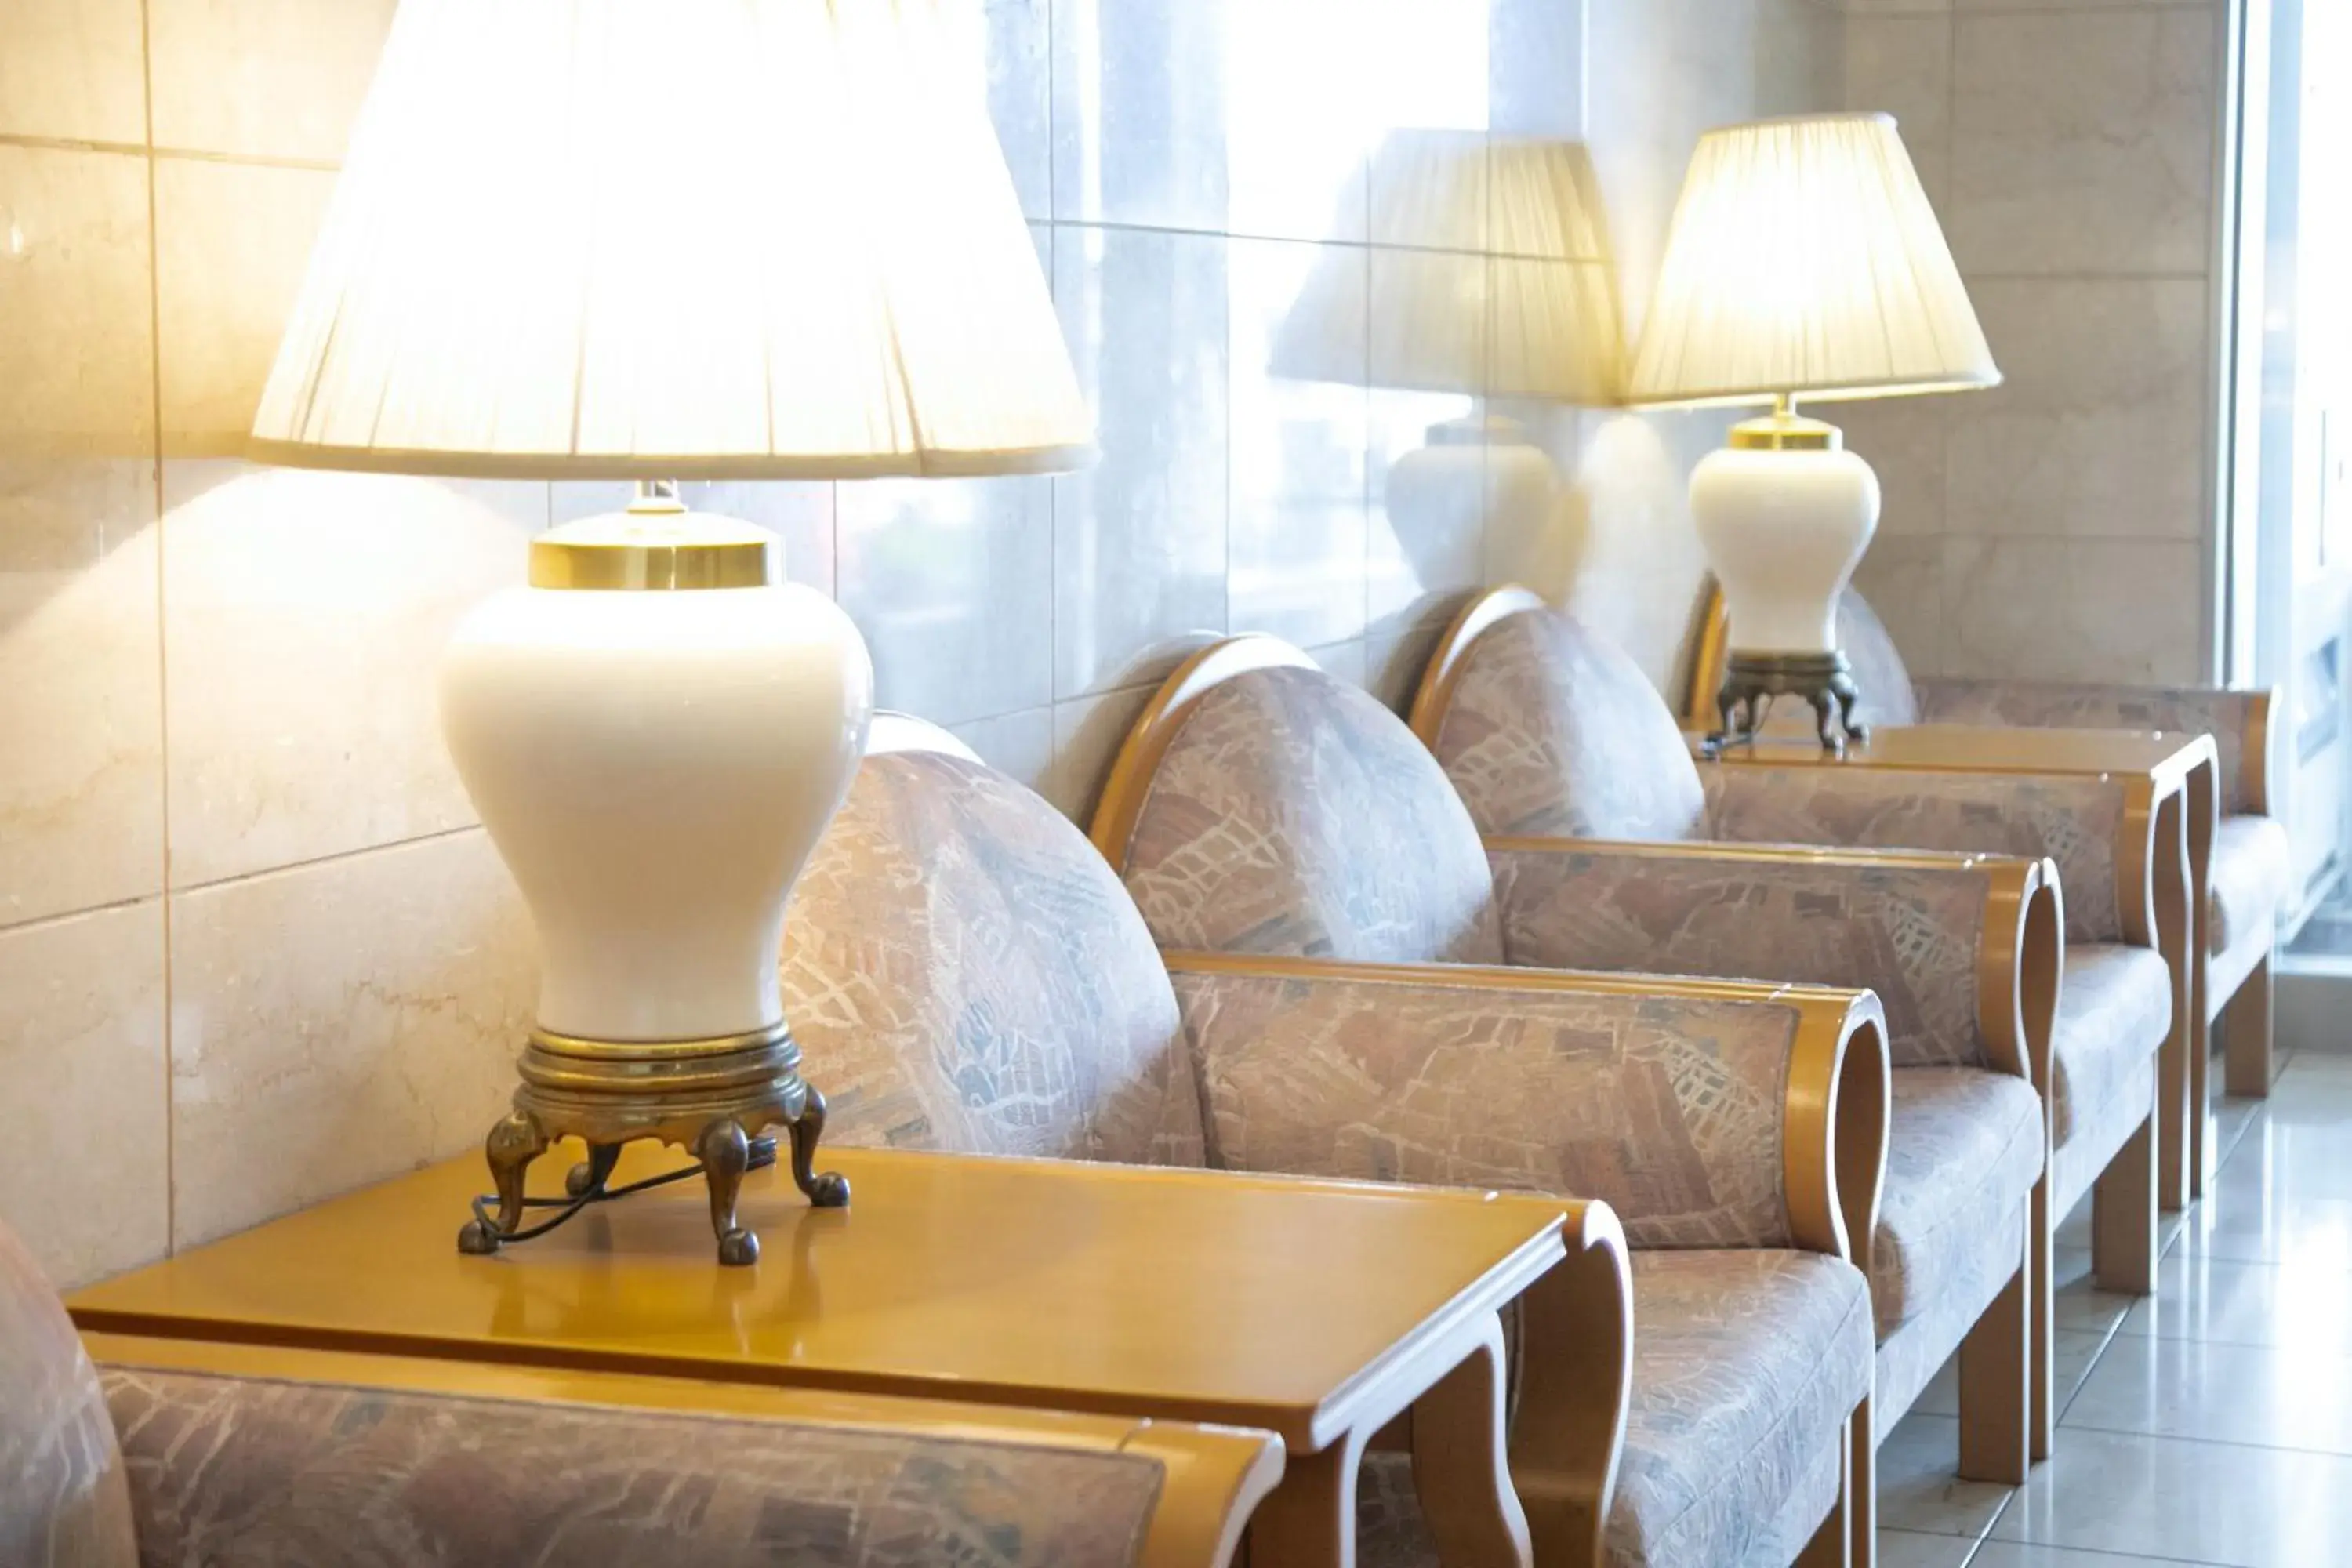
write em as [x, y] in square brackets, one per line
[1803, 261]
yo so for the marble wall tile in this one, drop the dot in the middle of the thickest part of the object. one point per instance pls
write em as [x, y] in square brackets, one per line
[1799, 57]
[1018, 49]
[1020, 744]
[83, 1176]
[1904, 440]
[304, 616]
[2083, 141]
[2090, 609]
[2100, 426]
[231, 242]
[338, 1022]
[1903, 577]
[1140, 539]
[74, 70]
[1139, 96]
[80, 696]
[951, 583]
[262, 79]
[1088, 733]
[1429, 505]
[1296, 519]
[1645, 570]
[1901, 65]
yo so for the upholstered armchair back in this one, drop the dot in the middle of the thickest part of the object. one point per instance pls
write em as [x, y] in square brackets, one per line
[1888, 696]
[1552, 730]
[300, 1472]
[63, 1501]
[964, 972]
[1292, 813]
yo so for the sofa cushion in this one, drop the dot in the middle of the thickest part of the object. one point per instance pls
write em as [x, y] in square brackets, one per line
[1552, 729]
[309, 1473]
[1746, 1365]
[966, 973]
[1292, 813]
[2251, 877]
[1964, 1151]
[2115, 1007]
[63, 1504]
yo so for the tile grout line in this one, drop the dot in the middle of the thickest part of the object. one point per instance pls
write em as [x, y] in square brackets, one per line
[163, 658]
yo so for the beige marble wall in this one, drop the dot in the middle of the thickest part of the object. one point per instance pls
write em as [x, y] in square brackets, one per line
[253, 949]
[2060, 525]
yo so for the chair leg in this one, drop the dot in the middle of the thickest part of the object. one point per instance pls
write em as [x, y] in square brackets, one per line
[2246, 1036]
[1996, 1370]
[2123, 1217]
[2042, 1417]
[1848, 1538]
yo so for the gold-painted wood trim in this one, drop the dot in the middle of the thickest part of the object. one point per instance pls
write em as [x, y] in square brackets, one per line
[1762, 854]
[2254, 765]
[1834, 1129]
[1213, 1477]
[1710, 653]
[1576, 1379]
[1138, 762]
[1812, 1001]
[1432, 696]
[2019, 949]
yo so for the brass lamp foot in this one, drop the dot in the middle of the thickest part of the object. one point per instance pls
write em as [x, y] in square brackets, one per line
[711, 1098]
[1825, 680]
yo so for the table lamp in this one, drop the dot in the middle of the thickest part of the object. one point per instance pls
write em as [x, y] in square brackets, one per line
[1803, 261]
[1493, 282]
[655, 239]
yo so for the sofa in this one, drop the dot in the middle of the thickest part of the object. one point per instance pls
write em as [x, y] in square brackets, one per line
[1545, 728]
[965, 972]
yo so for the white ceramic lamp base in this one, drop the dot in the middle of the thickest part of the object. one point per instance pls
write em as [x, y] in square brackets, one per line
[1785, 513]
[655, 732]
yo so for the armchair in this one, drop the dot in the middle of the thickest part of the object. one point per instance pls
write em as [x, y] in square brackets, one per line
[1546, 729]
[975, 978]
[2249, 878]
[186, 1451]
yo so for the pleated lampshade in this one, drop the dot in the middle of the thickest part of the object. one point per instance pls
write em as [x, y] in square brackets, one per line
[674, 238]
[1805, 260]
[1492, 278]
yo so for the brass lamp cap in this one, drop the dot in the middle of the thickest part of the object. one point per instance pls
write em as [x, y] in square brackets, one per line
[1786, 433]
[655, 545]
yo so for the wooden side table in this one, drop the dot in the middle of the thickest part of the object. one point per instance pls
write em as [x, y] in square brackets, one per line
[2174, 784]
[1320, 1311]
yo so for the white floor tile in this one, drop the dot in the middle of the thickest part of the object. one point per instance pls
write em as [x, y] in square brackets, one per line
[2220, 1392]
[2196, 1503]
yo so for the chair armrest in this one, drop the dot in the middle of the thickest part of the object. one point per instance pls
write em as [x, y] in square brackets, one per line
[1954, 946]
[2105, 849]
[2239, 722]
[1705, 1114]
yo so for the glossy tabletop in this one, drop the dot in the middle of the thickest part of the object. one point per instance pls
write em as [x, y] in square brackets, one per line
[1203, 1295]
[1997, 749]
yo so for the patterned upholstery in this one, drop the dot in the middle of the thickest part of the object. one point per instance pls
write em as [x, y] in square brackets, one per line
[1750, 1361]
[264, 1474]
[2076, 1163]
[1670, 1110]
[1909, 933]
[1964, 1152]
[63, 1504]
[965, 973]
[1554, 729]
[2075, 821]
[1293, 813]
[2115, 1007]
[2227, 716]
[1986, 1243]
[2253, 881]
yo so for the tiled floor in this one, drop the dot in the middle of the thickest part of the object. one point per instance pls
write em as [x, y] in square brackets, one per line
[2209, 1424]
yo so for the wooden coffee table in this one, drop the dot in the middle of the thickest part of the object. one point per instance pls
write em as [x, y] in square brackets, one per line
[1322, 1311]
[2173, 783]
